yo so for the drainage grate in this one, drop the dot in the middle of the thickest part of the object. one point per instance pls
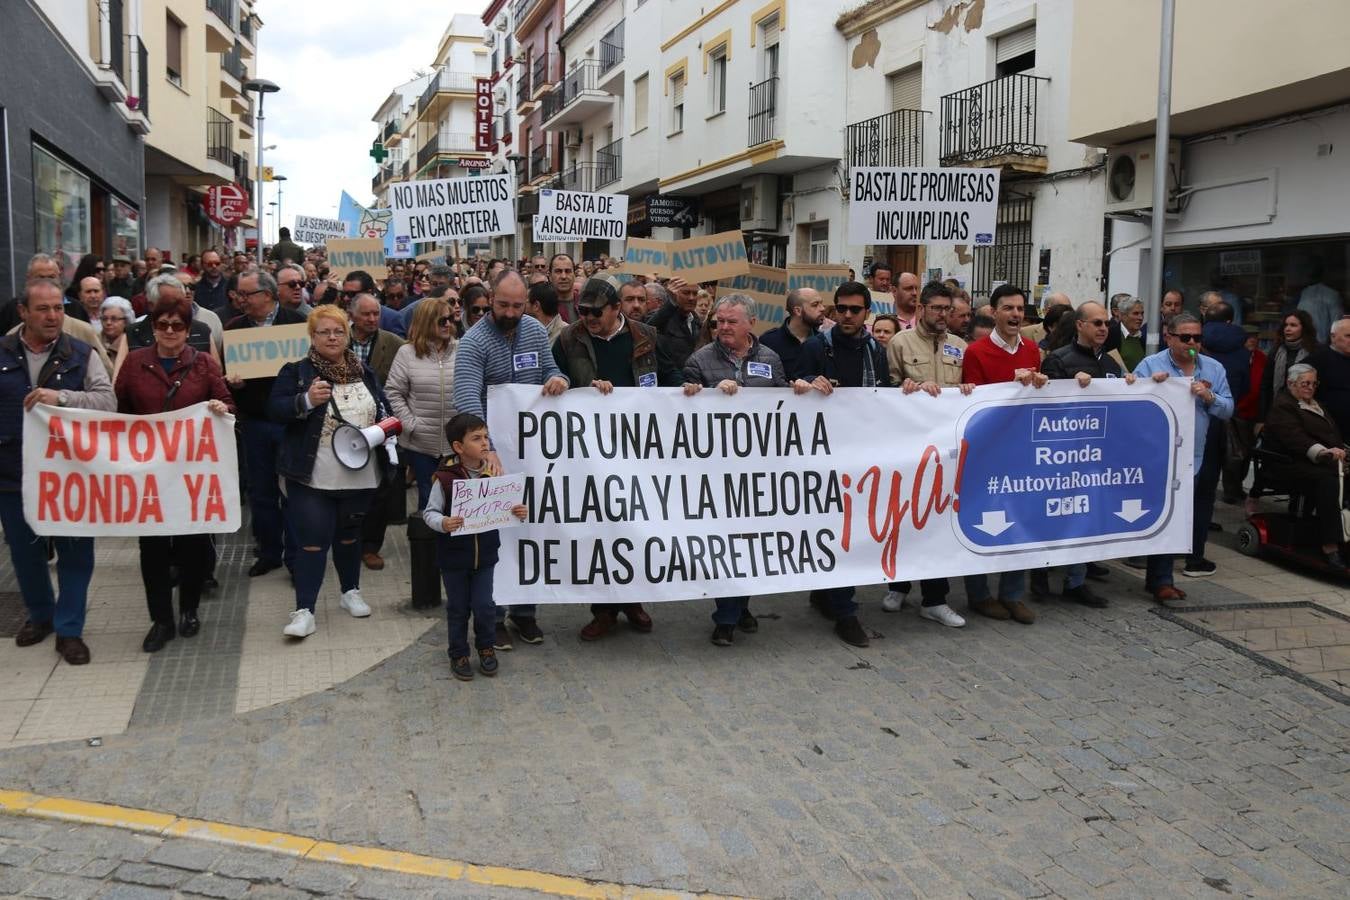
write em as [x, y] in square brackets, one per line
[1302, 640]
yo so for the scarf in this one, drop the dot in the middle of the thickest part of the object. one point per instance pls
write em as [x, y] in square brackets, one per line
[1285, 356]
[344, 372]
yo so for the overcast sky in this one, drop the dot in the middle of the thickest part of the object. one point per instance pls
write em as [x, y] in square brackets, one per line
[335, 63]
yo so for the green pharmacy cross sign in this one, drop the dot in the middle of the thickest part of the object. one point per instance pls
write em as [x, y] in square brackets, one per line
[377, 152]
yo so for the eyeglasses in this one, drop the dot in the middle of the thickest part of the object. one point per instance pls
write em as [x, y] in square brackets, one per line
[1095, 323]
[255, 293]
[444, 321]
[934, 307]
[112, 318]
[1307, 384]
[849, 308]
[166, 325]
[289, 284]
[350, 294]
[331, 333]
[595, 311]
[1187, 338]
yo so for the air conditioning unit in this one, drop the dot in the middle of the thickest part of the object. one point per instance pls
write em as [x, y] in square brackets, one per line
[573, 139]
[759, 203]
[500, 24]
[1129, 176]
[490, 39]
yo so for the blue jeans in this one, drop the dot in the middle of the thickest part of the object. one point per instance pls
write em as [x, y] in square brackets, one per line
[729, 609]
[271, 527]
[74, 569]
[840, 602]
[323, 519]
[1011, 586]
[1158, 572]
[1075, 576]
[424, 470]
[469, 591]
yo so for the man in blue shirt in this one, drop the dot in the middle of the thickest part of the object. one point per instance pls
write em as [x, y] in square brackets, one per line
[1213, 400]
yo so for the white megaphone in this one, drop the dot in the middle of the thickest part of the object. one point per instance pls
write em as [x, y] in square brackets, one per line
[352, 445]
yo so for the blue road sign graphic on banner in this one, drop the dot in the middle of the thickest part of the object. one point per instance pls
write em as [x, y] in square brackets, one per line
[1047, 473]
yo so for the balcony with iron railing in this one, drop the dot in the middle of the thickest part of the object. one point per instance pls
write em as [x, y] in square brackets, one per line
[390, 129]
[543, 73]
[541, 163]
[524, 97]
[894, 139]
[609, 163]
[243, 175]
[110, 52]
[995, 124]
[577, 97]
[246, 31]
[763, 111]
[611, 53]
[444, 143]
[219, 137]
[439, 90]
[232, 64]
[221, 22]
[140, 59]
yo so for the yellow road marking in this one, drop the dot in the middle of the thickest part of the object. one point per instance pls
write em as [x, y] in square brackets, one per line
[22, 803]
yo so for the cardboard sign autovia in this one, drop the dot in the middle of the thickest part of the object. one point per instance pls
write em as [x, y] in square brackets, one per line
[710, 258]
[581, 216]
[767, 286]
[88, 473]
[317, 230]
[865, 486]
[486, 503]
[922, 206]
[348, 255]
[453, 208]
[261, 352]
[647, 257]
[823, 279]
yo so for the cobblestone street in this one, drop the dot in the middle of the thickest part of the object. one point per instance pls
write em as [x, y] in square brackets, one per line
[1102, 753]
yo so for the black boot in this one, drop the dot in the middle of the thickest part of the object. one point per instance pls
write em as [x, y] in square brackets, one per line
[160, 634]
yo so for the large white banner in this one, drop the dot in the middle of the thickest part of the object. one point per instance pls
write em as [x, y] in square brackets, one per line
[448, 209]
[580, 216]
[922, 206]
[650, 495]
[90, 474]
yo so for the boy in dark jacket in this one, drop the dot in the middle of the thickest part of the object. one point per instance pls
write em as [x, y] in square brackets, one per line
[466, 561]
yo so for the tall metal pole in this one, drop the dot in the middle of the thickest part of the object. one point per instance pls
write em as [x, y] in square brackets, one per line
[258, 197]
[1161, 138]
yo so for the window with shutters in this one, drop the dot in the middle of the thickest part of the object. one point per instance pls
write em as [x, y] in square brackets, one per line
[1015, 51]
[906, 88]
[173, 49]
[717, 87]
[820, 243]
[677, 103]
[639, 103]
[768, 31]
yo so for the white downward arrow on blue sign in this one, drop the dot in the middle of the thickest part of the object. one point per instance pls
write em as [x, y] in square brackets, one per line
[1132, 510]
[994, 523]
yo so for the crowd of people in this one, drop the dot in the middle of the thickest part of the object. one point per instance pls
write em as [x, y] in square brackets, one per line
[424, 343]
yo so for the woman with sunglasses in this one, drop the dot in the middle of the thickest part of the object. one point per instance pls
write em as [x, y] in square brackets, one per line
[421, 388]
[165, 376]
[327, 493]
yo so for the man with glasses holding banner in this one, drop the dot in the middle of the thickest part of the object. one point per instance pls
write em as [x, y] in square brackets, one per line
[845, 356]
[1213, 401]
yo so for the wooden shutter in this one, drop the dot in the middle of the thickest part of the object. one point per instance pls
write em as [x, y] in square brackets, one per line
[640, 114]
[907, 88]
[1014, 44]
[677, 89]
[771, 32]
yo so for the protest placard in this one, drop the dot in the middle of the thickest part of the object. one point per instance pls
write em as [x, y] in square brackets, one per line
[922, 206]
[350, 254]
[261, 352]
[453, 208]
[823, 279]
[668, 497]
[580, 216]
[317, 230]
[92, 474]
[647, 257]
[767, 286]
[486, 503]
[710, 257]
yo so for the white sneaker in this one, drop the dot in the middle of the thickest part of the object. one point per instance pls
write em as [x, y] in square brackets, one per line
[351, 601]
[302, 624]
[894, 601]
[944, 614]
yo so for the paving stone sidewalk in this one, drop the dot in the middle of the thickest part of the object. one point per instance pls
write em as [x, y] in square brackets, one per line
[1103, 753]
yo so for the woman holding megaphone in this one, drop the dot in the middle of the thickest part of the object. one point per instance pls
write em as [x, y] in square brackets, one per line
[337, 448]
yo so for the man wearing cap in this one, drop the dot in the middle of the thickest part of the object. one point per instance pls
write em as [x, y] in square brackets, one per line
[605, 350]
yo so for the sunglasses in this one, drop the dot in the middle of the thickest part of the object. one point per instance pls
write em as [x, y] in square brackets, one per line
[594, 311]
[162, 325]
[1187, 338]
[1096, 323]
[480, 310]
[849, 308]
[444, 321]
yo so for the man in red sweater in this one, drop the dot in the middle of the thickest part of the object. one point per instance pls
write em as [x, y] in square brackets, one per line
[1004, 355]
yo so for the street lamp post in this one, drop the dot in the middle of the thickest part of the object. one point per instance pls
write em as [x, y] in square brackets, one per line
[275, 213]
[262, 87]
[279, 179]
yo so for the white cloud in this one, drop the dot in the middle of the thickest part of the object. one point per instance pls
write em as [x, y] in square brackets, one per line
[335, 63]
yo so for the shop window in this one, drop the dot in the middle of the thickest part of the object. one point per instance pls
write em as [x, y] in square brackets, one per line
[61, 210]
